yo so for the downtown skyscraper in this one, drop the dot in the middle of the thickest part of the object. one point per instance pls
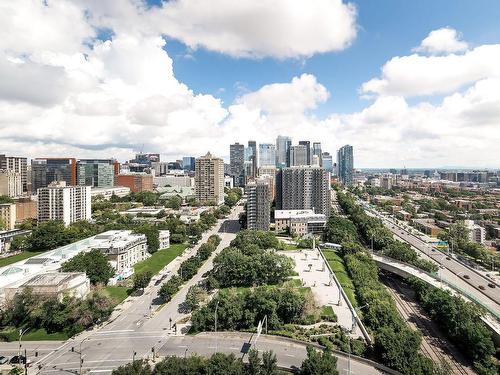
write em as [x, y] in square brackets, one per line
[267, 154]
[345, 165]
[283, 144]
[237, 163]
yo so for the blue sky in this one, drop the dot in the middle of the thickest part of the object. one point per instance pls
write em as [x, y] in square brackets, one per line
[387, 28]
[407, 82]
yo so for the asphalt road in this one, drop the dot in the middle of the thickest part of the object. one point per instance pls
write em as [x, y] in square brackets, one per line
[450, 270]
[101, 354]
[142, 325]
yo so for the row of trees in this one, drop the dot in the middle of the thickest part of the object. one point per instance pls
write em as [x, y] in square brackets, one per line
[461, 323]
[71, 315]
[316, 363]
[188, 268]
[373, 232]
[396, 345]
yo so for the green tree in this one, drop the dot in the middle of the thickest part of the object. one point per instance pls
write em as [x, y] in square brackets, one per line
[48, 235]
[269, 363]
[152, 236]
[138, 367]
[94, 263]
[174, 202]
[254, 363]
[6, 199]
[319, 363]
[194, 297]
[142, 279]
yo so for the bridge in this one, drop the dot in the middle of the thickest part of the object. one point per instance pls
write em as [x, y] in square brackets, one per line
[491, 318]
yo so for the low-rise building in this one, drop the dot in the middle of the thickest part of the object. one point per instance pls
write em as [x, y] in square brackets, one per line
[26, 208]
[164, 238]
[144, 211]
[184, 193]
[299, 222]
[54, 284]
[108, 192]
[428, 226]
[403, 215]
[136, 182]
[174, 179]
[463, 204]
[123, 248]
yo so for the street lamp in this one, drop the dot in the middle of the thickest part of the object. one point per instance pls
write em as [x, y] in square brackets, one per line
[216, 340]
[353, 327]
[21, 333]
[81, 359]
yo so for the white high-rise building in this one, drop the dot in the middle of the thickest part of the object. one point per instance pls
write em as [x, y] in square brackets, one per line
[66, 203]
[209, 179]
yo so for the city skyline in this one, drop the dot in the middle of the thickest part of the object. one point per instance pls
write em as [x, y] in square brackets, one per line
[94, 87]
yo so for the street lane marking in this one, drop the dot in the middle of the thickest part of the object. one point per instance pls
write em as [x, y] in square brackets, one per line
[117, 331]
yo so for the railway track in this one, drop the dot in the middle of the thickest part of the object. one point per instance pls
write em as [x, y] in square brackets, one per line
[430, 349]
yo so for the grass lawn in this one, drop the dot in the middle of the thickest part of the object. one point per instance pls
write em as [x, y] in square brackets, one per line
[337, 266]
[118, 293]
[160, 259]
[12, 334]
[288, 246]
[16, 258]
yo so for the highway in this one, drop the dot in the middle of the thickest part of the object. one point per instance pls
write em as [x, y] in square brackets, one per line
[450, 269]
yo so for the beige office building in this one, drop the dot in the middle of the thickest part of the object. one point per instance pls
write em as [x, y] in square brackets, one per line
[8, 215]
[209, 179]
[11, 183]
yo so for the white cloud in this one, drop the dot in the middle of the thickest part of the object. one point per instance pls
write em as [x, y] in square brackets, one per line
[416, 75]
[108, 99]
[301, 94]
[444, 40]
[250, 28]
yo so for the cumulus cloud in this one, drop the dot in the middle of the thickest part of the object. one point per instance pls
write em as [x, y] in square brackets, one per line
[444, 40]
[250, 28]
[301, 94]
[111, 98]
[416, 75]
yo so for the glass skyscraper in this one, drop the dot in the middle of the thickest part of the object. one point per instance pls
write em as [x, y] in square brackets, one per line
[345, 165]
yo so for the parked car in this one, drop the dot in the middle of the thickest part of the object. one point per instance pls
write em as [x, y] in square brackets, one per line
[481, 287]
[3, 360]
[466, 277]
[491, 285]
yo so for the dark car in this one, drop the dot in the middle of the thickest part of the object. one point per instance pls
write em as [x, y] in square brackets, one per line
[18, 360]
[466, 277]
[491, 285]
[481, 287]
